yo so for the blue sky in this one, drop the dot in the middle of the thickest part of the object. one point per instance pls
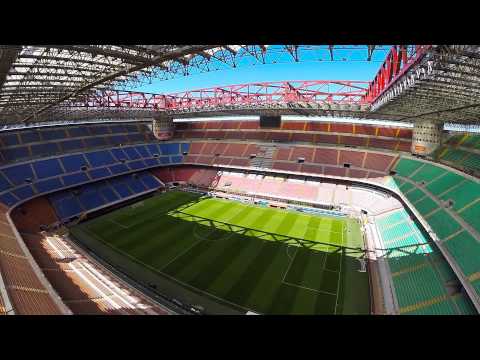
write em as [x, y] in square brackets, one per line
[306, 70]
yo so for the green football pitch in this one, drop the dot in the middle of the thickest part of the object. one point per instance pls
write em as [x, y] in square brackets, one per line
[229, 257]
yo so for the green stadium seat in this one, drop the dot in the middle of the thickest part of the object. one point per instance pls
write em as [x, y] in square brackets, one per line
[471, 215]
[428, 173]
[463, 194]
[443, 224]
[444, 183]
[426, 205]
[405, 167]
[466, 251]
[415, 195]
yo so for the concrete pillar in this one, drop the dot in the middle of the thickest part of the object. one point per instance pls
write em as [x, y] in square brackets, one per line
[427, 136]
[163, 127]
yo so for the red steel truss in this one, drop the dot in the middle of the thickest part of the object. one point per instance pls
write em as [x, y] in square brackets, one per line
[282, 92]
[398, 61]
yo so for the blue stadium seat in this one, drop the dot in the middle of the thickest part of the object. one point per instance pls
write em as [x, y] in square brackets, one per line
[118, 139]
[149, 180]
[74, 179]
[152, 162]
[108, 193]
[24, 192]
[48, 185]
[8, 199]
[153, 149]
[99, 173]
[59, 195]
[70, 145]
[9, 139]
[45, 149]
[133, 138]
[30, 136]
[17, 174]
[136, 165]
[90, 199]
[73, 163]
[99, 130]
[4, 184]
[119, 169]
[135, 184]
[53, 134]
[164, 160]
[176, 159]
[79, 131]
[100, 158]
[143, 151]
[131, 153]
[67, 208]
[95, 141]
[16, 153]
[131, 128]
[116, 129]
[170, 149]
[119, 154]
[120, 188]
[47, 168]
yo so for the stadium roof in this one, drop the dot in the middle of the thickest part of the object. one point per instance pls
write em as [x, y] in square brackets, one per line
[34, 79]
[48, 83]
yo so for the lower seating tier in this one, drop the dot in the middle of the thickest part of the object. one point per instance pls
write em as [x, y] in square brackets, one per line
[449, 201]
[73, 202]
[23, 181]
[420, 274]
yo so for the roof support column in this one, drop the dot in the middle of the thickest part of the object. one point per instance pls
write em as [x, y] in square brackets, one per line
[427, 136]
[163, 127]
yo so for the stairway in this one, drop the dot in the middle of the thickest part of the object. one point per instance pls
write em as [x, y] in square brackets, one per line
[264, 158]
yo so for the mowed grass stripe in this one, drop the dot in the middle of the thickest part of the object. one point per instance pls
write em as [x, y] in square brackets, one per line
[152, 208]
[165, 246]
[301, 223]
[261, 278]
[237, 268]
[304, 302]
[258, 220]
[288, 221]
[121, 238]
[219, 264]
[312, 228]
[297, 268]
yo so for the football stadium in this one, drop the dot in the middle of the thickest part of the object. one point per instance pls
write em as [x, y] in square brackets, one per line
[286, 197]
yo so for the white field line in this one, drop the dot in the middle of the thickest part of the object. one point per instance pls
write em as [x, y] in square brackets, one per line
[289, 265]
[178, 256]
[116, 223]
[338, 283]
[310, 289]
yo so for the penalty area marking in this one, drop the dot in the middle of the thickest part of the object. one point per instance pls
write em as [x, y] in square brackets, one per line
[310, 289]
[300, 286]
